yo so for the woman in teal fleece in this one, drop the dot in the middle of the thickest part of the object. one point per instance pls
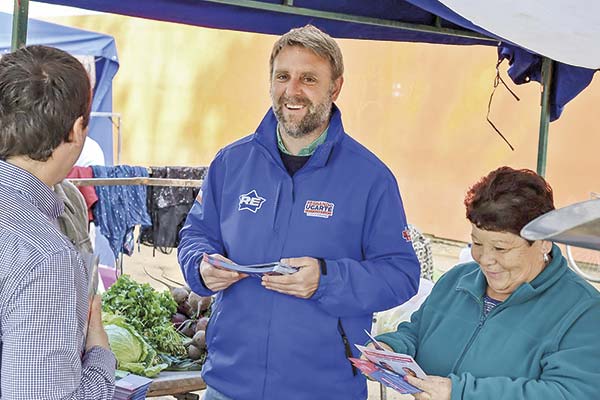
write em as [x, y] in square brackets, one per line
[516, 324]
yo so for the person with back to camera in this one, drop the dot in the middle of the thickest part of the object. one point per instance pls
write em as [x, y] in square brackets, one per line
[302, 191]
[515, 324]
[52, 345]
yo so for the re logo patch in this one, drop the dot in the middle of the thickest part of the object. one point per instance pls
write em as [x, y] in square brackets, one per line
[251, 201]
[317, 208]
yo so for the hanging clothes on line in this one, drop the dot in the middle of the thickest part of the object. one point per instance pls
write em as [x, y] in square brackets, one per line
[88, 192]
[120, 208]
[169, 206]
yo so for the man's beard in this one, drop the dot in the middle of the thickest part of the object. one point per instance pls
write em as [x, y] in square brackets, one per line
[316, 115]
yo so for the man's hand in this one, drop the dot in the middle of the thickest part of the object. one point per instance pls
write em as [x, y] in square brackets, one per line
[216, 278]
[433, 387]
[96, 335]
[303, 283]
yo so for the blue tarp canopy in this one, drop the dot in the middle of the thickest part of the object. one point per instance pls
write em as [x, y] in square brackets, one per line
[393, 20]
[79, 43]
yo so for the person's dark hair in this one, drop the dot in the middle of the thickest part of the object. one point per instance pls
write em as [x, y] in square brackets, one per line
[507, 199]
[43, 91]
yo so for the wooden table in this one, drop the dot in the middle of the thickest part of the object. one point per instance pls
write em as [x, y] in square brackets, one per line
[169, 383]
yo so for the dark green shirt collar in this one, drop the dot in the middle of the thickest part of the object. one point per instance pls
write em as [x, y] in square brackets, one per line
[306, 151]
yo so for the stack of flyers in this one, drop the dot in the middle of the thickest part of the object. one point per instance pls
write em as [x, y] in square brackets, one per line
[388, 367]
[256, 270]
[132, 387]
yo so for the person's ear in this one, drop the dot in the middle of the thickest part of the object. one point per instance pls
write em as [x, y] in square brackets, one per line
[546, 246]
[78, 132]
[337, 88]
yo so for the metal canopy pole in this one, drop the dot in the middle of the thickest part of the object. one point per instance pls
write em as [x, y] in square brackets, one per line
[547, 67]
[19, 27]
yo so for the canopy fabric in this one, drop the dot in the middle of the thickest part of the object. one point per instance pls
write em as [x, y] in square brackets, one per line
[225, 15]
[568, 32]
[260, 16]
[79, 43]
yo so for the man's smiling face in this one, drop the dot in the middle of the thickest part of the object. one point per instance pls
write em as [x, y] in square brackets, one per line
[302, 91]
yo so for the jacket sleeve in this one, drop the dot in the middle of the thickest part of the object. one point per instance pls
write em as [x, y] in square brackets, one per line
[387, 275]
[570, 372]
[201, 232]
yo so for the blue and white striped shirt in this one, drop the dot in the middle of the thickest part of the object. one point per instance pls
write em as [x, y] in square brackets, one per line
[43, 301]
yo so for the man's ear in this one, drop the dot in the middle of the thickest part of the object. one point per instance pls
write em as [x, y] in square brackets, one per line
[78, 132]
[337, 88]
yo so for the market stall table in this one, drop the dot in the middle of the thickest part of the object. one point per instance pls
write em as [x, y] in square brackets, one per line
[170, 383]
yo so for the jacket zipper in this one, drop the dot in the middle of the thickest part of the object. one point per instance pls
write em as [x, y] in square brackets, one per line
[473, 337]
[482, 320]
[347, 348]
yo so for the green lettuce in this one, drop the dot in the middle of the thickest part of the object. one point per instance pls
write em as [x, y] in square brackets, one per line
[133, 353]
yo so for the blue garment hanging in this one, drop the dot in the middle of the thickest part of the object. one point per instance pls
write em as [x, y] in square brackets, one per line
[120, 208]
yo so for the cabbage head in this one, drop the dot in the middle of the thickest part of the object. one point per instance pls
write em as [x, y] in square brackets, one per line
[133, 353]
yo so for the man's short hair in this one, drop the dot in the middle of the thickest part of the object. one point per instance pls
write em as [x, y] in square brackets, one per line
[43, 91]
[313, 39]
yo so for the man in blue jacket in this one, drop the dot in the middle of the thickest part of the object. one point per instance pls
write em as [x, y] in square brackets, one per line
[302, 191]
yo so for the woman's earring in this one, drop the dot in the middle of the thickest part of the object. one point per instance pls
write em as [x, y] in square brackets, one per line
[546, 258]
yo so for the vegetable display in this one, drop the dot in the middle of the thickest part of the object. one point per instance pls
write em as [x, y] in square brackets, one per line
[150, 331]
[147, 310]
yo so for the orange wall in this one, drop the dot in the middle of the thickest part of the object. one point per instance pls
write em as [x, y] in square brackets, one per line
[184, 92]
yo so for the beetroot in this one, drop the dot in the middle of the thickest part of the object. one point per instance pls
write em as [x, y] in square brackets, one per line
[193, 299]
[201, 324]
[199, 339]
[178, 318]
[179, 294]
[204, 304]
[193, 352]
[188, 328]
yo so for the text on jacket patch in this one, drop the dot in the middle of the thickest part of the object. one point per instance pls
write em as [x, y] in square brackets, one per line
[317, 208]
[251, 201]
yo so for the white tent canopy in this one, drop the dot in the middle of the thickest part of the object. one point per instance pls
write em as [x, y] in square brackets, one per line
[565, 31]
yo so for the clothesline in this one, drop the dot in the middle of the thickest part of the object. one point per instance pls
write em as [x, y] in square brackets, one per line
[136, 181]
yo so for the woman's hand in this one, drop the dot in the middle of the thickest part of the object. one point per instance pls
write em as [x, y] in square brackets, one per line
[433, 387]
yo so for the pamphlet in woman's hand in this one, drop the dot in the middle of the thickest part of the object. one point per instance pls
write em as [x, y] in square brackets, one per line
[257, 270]
[388, 367]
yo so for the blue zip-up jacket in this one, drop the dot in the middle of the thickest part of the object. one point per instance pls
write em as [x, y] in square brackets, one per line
[343, 206]
[542, 343]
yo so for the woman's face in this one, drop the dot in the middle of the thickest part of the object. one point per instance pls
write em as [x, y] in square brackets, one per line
[506, 260]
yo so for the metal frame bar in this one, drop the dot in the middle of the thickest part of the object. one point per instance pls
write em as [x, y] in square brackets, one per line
[145, 181]
[547, 70]
[288, 8]
[19, 27]
[117, 116]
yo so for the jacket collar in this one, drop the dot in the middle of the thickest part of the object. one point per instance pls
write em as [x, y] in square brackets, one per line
[475, 283]
[266, 135]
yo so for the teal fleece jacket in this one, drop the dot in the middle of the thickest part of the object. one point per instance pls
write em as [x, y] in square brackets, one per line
[542, 343]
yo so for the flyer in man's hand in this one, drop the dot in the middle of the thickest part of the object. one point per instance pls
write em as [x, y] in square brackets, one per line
[388, 367]
[257, 270]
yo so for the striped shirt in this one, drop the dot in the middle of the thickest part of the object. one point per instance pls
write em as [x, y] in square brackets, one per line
[43, 301]
[489, 304]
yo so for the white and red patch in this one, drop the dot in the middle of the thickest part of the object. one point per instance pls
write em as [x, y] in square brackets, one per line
[318, 208]
[406, 235]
